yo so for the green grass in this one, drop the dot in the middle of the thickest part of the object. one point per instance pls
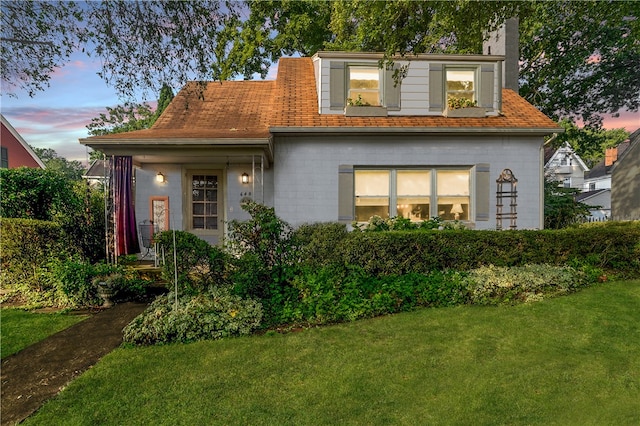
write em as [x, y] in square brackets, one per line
[572, 360]
[20, 328]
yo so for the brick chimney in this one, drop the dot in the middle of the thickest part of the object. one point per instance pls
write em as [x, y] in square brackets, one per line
[610, 156]
[505, 41]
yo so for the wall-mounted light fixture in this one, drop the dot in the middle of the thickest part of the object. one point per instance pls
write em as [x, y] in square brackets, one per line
[160, 178]
[245, 178]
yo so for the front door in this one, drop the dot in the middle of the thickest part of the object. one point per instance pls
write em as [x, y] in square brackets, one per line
[205, 205]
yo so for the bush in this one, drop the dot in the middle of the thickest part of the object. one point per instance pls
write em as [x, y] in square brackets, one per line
[265, 261]
[316, 243]
[612, 247]
[27, 247]
[333, 294]
[210, 315]
[199, 264]
[492, 285]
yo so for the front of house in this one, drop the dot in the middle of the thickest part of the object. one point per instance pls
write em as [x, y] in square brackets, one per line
[306, 145]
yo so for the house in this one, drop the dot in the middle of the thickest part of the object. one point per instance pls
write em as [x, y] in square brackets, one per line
[597, 185]
[625, 181]
[15, 152]
[565, 166]
[298, 145]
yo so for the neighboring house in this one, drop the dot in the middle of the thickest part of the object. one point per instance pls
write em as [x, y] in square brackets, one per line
[14, 150]
[600, 202]
[565, 166]
[597, 183]
[97, 172]
[625, 182]
[295, 144]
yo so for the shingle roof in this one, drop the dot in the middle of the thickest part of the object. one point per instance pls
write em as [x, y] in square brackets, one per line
[296, 105]
[256, 109]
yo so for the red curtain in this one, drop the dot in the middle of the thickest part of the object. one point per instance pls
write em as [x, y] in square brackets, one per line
[126, 234]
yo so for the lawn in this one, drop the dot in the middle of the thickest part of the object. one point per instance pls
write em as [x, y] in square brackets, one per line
[572, 360]
[20, 328]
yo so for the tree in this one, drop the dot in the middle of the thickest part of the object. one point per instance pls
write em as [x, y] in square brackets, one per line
[560, 207]
[72, 170]
[589, 143]
[579, 60]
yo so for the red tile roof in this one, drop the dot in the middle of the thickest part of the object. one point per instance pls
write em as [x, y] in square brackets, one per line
[250, 109]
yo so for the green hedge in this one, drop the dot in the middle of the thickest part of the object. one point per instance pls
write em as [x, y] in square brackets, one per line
[28, 245]
[613, 247]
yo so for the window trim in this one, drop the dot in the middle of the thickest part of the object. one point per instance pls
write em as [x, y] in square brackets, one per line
[477, 92]
[433, 195]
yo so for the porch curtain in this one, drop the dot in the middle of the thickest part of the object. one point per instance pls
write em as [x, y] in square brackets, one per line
[126, 235]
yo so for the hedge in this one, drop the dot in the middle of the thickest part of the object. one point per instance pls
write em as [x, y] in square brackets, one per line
[613, 247]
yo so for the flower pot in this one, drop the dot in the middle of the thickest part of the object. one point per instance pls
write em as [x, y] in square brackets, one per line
[106, 293]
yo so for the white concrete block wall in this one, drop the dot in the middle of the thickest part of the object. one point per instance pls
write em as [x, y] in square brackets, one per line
[146, 187]
[306, 169]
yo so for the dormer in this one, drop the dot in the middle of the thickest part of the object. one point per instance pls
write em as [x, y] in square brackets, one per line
[344, 79]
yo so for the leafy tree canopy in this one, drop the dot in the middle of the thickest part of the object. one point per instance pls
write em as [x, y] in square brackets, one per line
[72, 170]
[589, 143]
[579, 59]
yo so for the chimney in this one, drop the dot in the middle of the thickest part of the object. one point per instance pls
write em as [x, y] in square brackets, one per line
[610, 156]
[505, 41]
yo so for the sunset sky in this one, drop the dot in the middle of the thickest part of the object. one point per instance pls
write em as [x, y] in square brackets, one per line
[56, 118]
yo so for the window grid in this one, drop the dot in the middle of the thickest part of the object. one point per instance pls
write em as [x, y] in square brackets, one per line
[413, 194]
[204, 202]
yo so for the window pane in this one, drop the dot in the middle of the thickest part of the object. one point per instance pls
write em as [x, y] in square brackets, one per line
[364, 83]
[460, 80]
[372, 182]
[212, 223]
[198, 222]
[414, 208]
[453, 208]
[413, 182]
[453, 182]
[377, 207]
[198, 209]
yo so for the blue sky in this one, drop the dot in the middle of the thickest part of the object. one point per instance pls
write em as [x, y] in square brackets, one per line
[56, 118]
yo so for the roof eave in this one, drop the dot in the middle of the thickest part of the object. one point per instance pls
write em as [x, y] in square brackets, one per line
[418, 130]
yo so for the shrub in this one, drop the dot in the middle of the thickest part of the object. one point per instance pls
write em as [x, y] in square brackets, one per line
[210, 315]
[399, 223]
[199, 264]
[264, 261]
[334, 294]
[492, 285]
[27, 246]
[317, 243]
[614, 248]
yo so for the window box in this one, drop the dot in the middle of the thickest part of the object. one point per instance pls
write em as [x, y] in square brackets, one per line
[365, 111]
[468, 112]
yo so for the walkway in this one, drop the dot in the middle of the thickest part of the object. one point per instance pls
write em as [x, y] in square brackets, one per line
[39, 372]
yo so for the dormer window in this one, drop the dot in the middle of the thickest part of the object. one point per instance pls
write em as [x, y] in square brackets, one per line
[364, 85]
[461, 84]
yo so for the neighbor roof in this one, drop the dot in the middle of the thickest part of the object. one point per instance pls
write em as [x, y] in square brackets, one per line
[257, 109]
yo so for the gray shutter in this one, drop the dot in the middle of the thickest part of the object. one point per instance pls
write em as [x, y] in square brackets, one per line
[483, 191]
[436, 88]
[486, 86]
[345, 193]
[337, 86]
[391, 89]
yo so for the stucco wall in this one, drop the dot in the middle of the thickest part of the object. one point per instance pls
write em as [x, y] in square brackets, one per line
[306, 171]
